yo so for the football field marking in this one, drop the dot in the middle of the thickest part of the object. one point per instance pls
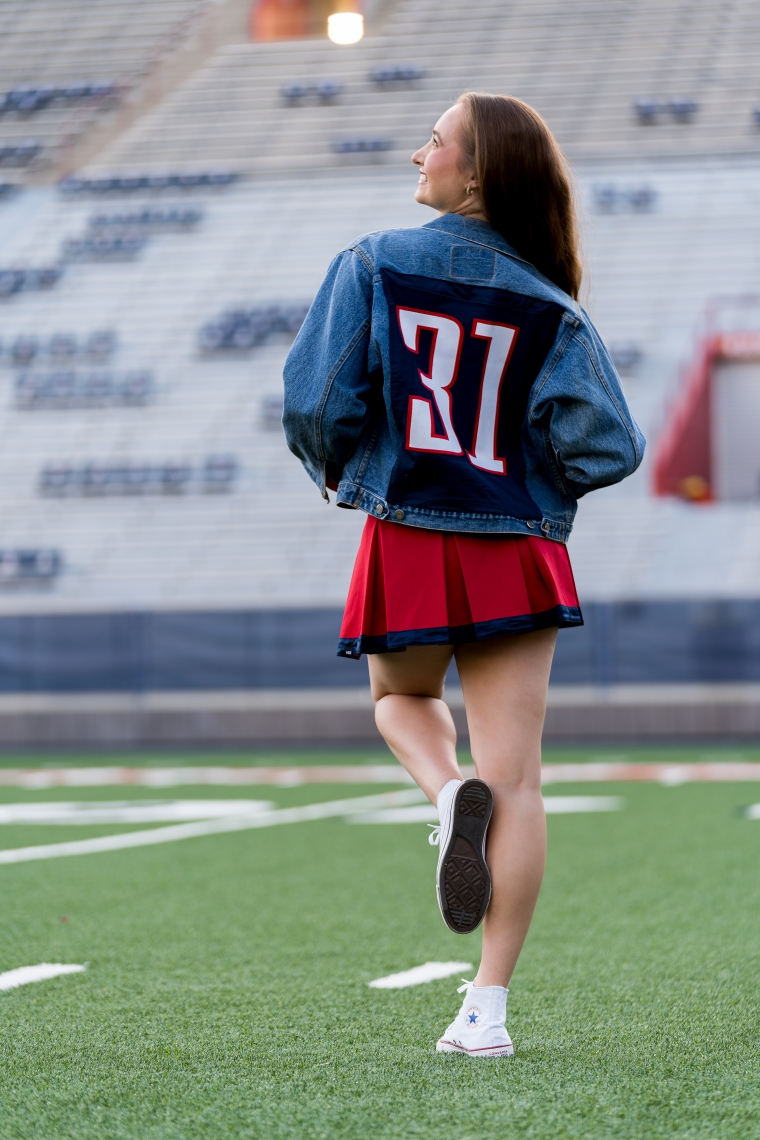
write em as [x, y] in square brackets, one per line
[128, 811]
[562, 805]
[418, 975]
[327, 810]
[602, 771]
[752, 812]
[428, 813]
[23, 975]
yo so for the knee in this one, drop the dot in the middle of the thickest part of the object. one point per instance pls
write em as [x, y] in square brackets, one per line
[516, 785]
[382, 692]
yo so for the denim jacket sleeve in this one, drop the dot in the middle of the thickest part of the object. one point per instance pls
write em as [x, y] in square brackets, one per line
[590, 438]
[327, 377]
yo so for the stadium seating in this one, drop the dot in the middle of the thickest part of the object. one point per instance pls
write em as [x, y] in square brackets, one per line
[650, 51]
[664, 229]
[273, 542]
[66, 62]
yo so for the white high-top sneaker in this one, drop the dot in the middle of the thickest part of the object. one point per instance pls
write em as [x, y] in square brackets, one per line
[478, 1029]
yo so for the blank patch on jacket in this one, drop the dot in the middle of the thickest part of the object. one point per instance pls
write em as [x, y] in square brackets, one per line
[471, 261]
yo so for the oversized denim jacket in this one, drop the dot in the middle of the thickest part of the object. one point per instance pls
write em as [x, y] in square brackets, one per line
[441, 381]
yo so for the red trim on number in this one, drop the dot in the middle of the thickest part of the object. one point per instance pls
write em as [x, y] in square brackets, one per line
[479, 336]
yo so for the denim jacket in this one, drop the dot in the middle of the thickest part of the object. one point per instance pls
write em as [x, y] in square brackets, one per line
[441, 381]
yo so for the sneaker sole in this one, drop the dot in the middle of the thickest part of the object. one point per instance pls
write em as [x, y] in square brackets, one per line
[463, 880]
[488, 1051]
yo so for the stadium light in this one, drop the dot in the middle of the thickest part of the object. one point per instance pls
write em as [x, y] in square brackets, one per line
[345, 27]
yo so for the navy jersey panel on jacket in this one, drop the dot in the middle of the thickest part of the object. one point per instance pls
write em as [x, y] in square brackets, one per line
[500, 341]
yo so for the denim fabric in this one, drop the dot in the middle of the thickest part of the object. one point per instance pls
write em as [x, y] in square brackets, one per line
[441, 381]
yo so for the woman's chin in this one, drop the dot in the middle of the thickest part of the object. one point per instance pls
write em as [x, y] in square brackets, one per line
[421, 194]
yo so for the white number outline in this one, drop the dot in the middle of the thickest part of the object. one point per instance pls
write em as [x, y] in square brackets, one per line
[449, 439]
[491, 382]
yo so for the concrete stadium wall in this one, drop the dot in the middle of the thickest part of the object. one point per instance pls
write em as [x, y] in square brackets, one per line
[345, 717]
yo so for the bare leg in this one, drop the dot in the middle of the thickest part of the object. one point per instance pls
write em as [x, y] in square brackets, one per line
[417, 725]
[505, 681]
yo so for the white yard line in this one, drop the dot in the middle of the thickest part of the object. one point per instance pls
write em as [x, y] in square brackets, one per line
[430, 972]
[26, 974]
[752, 812]
[128, 811]
[561, 805]
[428, 813]
[424, 813]
[326, 810]
[592, 772]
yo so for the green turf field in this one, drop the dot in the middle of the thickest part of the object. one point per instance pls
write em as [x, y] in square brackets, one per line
[226, 991]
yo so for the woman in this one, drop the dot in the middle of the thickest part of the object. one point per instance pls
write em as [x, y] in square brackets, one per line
[447, 383]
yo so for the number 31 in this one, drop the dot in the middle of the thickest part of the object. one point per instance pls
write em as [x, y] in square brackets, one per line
[448, 335]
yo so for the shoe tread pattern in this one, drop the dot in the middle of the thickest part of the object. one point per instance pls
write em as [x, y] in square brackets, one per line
[474, 802]
[464, 884]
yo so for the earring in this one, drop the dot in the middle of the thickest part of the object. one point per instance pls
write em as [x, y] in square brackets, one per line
[469, 189]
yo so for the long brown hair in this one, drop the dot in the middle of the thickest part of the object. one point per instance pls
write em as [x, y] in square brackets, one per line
[525, 184]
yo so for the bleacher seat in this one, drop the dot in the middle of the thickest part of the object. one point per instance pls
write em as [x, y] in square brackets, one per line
[149, 219]
[325, 91]
[24, 349]
[238, 330]
[683, 109]
[72, 389]
[28, 100]
[20, 153]
[172, 477]
[271, 412]
[625, 356]
[129, 183]
[396, 73]
[18, 567]
[19, 280]
[101, 248]
[362, 145]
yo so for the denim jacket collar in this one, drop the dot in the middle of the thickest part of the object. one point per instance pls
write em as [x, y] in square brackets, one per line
[473, 229]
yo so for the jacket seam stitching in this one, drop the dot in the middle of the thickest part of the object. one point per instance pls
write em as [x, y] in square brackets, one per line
[356, 338]
[357, 249]
[611, 396]
[549, 369]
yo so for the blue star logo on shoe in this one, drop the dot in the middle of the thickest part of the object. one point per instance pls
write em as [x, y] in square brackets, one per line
[472, 1016]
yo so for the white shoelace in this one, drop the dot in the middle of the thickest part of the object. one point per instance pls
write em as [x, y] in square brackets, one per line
[435, 834]
[466, 986]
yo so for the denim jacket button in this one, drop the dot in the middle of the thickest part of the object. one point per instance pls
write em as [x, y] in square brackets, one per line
[378, 508]
[398, 515]
[546, 526]
[531, 524]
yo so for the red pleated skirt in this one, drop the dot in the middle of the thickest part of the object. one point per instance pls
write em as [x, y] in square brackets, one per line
[429, 587]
